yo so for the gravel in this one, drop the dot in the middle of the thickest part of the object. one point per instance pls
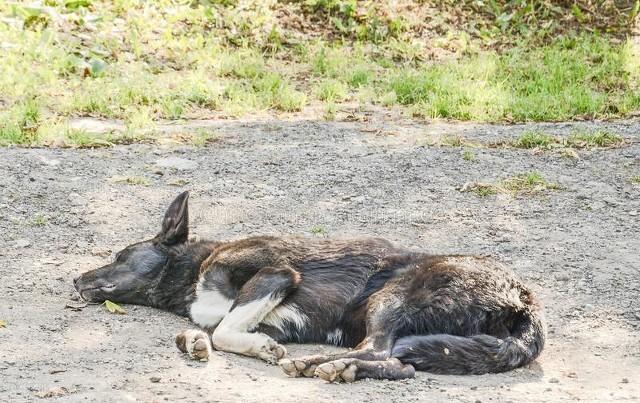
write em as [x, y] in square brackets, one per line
[577, 246]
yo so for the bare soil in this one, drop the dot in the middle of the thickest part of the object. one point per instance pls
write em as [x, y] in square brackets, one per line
[64, 211]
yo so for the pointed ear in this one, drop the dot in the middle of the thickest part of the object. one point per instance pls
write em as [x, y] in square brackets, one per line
[175, 225]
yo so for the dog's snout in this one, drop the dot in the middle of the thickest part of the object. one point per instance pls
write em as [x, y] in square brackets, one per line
[75, 281]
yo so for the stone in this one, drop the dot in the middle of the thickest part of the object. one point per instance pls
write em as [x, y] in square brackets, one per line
[23, 243]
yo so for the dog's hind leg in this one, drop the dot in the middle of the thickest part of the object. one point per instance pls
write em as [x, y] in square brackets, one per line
[259, 296]
[353, 369]
[376, 347]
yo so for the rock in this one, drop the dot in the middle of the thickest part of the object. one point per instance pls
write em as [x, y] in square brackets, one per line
[625, 380]
[155, 379]
[102, 252]
[180, 164]
[49, 161]
[54, 392]
[23, 243]
[554, 380]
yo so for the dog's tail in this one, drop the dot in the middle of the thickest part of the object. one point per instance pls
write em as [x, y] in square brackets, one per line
[479, 354]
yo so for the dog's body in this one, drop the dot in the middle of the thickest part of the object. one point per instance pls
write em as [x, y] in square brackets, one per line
[400, 309]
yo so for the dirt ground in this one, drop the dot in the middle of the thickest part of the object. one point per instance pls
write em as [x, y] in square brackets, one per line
[64, 211]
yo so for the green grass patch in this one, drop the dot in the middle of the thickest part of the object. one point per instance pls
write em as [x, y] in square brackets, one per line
[484, 189]
[452, 141]
[331, 91]
[82, 139]
[635, 179]
[599, 138]
[585, 76]
[202, 137]
[527, 183]
[318, 230]
[578, 140]
[140, 63]
[468, 155]
[535, 139]
[19, 124]
[39, 220]
[530, 182]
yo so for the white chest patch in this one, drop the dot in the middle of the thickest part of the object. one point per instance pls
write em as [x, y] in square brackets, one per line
[209, 307]
[282, 315]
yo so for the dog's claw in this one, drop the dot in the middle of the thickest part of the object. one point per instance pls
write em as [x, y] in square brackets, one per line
[339, 370]
[297, 368]
[289, 368]
[272, 352]
[195, 343]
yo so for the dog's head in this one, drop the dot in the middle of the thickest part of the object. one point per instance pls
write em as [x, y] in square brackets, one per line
[139, 268]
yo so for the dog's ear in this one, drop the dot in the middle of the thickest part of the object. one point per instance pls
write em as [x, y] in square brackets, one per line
[175, 225]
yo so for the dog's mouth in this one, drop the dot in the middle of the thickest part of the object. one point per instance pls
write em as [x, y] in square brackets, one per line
[89, 294]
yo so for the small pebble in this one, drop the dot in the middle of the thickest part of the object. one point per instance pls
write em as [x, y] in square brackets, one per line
[23, 243]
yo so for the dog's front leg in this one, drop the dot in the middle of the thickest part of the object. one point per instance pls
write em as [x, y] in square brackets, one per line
[259, 296]
[196, 343]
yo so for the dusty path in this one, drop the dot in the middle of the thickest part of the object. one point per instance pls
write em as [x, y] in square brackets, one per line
[63, 211]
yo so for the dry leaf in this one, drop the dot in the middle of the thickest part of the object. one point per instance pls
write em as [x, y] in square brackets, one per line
[3, 323]
[113, 307]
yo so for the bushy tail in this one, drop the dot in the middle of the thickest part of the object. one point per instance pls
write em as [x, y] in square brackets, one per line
[479, 354]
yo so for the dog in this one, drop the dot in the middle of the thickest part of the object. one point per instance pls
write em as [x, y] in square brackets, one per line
[399, 310]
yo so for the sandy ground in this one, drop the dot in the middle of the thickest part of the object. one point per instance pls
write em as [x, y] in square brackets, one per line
[64, 211]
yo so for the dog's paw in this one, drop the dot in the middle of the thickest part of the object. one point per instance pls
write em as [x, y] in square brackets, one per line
[297, 367]
[339, 370]
[271, 352]
[195, 343]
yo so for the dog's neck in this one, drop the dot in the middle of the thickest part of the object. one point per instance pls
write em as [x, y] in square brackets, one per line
[175, 291]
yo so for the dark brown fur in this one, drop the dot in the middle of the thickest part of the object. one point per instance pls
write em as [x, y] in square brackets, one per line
[399, 309]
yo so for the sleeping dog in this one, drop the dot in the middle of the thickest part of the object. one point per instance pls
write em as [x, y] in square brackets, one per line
[400, 310]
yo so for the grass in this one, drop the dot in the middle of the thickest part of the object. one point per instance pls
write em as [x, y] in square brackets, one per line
[528, 183]
[535, 139]
[138, 62]
[484, 189]
[318, 230]
[577, 140]
[635, 180]
[39, 220]
[600, 138]
[569, 78]
[468, 155]
[201, 137]
[452, 141]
